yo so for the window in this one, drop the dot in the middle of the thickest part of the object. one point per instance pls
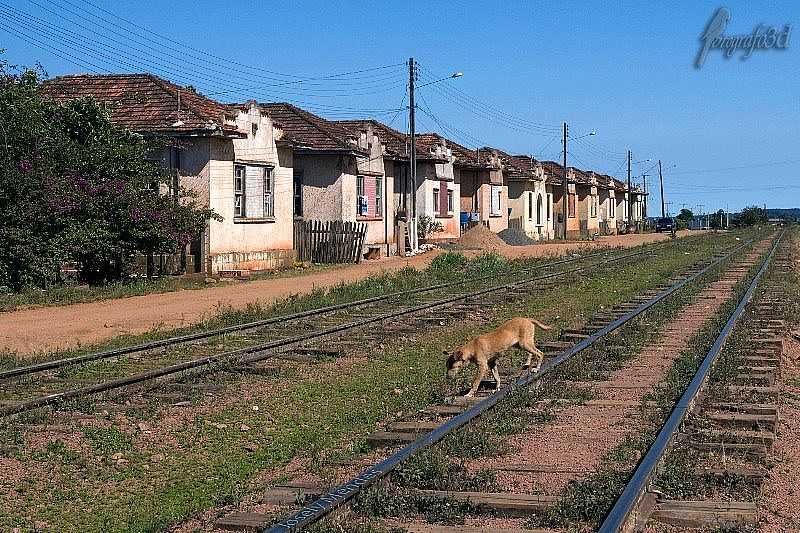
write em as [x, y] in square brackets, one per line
[269, 196]
[253, 192]
[612, 207]
[539, 210]
[297, 191]
[378, 196]
[495, 207]
[593, 206]
[571, 205]
[549, 206]
[370, 196]
[239, 173]
[362, 208]
[530, 206]
[436, 200]
[449, 201]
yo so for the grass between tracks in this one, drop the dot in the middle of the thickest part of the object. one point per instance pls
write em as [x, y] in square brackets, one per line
[678, 479]
[448, 267]
[146, 471]
[442, 467]
[585, 503]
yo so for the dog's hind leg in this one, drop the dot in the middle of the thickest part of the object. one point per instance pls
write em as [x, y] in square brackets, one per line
[532, 350]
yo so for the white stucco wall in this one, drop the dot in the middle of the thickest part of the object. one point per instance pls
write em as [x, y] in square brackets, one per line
[243, 243]
[520, 194]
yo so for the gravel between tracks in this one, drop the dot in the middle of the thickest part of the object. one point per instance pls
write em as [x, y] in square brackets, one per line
[582, 435]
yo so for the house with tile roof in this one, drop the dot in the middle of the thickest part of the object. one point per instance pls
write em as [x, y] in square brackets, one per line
[588, 202]
[628, 202]
[473, 180]
[346, 170]
[389, 151]
[530, 206]
[232, 157]
[554, 185]
[607, 212]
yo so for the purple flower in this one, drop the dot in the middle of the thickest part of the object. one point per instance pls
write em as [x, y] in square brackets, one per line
[136, 214]
[24, 166]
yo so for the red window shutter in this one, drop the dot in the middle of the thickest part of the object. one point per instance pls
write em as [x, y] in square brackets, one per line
[442, 197]
[369, 192]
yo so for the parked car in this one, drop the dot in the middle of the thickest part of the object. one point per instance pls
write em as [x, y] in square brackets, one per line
[665, 224]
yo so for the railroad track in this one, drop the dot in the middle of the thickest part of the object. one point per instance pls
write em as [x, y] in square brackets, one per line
[253, 325]
[419, 435]
[29, 390]
[726, 434]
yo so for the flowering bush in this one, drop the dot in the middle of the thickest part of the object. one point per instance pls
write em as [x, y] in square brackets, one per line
[76, 188]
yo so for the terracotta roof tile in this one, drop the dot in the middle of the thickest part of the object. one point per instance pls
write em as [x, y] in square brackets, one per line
[307, 130]
[145, 103]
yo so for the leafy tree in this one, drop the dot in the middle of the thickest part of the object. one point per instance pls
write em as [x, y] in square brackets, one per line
[686, 215]
[76, 188]
[750, 216]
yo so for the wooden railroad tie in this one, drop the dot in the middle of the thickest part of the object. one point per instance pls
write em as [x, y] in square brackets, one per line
[503, 503]
[698, 514]
[727, 449]
[744, 420]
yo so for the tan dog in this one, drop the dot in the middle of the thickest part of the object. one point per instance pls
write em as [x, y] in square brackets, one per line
[485, 349]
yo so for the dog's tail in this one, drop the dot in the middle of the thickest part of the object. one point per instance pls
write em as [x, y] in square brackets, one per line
[542, 326]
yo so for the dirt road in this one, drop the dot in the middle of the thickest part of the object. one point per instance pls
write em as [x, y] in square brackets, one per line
[50, 328]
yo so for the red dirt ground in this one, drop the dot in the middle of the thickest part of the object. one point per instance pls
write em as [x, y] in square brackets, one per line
[583, 434]
[779, 508]
[45, 329]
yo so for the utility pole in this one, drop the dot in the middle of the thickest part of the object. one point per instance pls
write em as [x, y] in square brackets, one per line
[630, 191]
[644, 186]
[412, 230]
[566, 187]
[661, 179]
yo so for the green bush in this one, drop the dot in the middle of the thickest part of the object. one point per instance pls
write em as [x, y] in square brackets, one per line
[74, 188]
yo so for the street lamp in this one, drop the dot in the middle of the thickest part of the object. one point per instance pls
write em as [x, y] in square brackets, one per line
[451, 76]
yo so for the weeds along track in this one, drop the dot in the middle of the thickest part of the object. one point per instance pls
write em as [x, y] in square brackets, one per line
[710, 459]
[454, 481]
[374, 301]
[303, 336]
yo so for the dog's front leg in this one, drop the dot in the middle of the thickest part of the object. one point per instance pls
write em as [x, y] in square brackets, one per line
[540, 355]
[483, 369]
[496, 374]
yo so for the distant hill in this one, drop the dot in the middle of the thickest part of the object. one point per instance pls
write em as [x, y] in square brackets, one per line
[793, 213]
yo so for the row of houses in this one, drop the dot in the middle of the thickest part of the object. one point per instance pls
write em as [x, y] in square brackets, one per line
[265, 166]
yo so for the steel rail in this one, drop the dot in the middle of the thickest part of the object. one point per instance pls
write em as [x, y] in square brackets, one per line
[344, 492]
[172, 341]
[239, 355]
[627, 503]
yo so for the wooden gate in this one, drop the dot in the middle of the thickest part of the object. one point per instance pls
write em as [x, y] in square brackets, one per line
[329, 242]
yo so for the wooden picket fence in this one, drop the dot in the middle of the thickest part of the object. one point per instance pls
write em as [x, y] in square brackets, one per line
[329, 242]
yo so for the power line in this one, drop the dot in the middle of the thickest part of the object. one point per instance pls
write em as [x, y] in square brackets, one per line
[68, 38]
[225, 61]
[493, 109]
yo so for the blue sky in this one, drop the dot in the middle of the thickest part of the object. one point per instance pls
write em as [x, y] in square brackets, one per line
[728, 133]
